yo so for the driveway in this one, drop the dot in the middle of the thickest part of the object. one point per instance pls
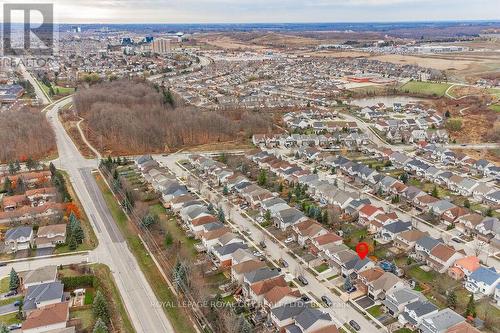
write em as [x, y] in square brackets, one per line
[44, 252]
[365, 302]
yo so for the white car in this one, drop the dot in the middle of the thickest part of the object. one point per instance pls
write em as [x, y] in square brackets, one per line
[257, 254]
[289, 240]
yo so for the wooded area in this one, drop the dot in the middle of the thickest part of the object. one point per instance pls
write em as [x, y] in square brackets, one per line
[25, 133]
[135, 117]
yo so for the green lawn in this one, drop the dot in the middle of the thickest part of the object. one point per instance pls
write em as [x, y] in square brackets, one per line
[4, 285]
[321, 268]
[495, 107]
[404, 330]
[375, 310]
[58, 90]
[146, 263]
[425, 88]
[85, 315]
[420, 275]
[9, 319]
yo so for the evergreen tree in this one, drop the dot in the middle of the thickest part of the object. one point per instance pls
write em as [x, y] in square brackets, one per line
[149, 220]
[180, 276]
[262, 180]
[347, 283]
[100, 326]
[4, 329]
[221, 215]
[100, 307]
[435, 192]
[225, 190]
[18, 166]
[168, 240]
[13, 280]
[72, 244]
[471, 307]
[467, 203]
[12, 168]
[267, 216]
[244, 326]
[451, 299]
[7, 186]
[52, 169]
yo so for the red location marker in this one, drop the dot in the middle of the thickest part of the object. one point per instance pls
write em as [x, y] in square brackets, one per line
[362, 249]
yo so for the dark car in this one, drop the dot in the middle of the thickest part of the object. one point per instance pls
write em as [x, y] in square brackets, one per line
[305, 298]
[302, 280]
[283, 263]
[326, 301]
[350, 291]
[355, 325]
[2, 264]
[11, 293]
[17, 303]
[262, 244]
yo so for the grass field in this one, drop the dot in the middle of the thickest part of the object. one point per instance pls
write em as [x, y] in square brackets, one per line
[375, 311]
[4, 285]
[146, 263]
[9, 319]
[495, 107]
[425, 88]
[61, 91]
[420, 275]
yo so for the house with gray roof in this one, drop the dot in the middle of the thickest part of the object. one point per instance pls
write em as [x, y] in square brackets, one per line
[483, 281]
[284, 315]
[439, 322]
[396, 301]
[224, 253]
[424, 246]
[391, 230]
[414, 312]
[288, 217]
[19, 238]
[43, 294]
[311, 319]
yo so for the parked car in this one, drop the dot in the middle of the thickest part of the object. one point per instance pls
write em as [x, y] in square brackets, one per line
[353, 289]
[17, 303]
[283, 263]
[262, 244]
[2, 264]
[14, 327]
[289, 240]
[304, 298]
[327, 301]
[355, 325]
[302, 280]
[11, 293]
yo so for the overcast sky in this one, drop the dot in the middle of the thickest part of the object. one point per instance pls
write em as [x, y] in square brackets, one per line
[255, 11]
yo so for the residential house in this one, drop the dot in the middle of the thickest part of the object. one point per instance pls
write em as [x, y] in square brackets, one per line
[19, 238]
[391, 230]
[483, 281]
[424, 246]
[239, 270]
[41, 275]
[223, 254]
[50, 236]
[43, 294]
[284, 315]
[396, 302]
[366, 277]
[288, 217]
[49, 318]
[406, 240]
[464, 267]
[443, 257]
[383, 286]
[415, 312]
[440, 322]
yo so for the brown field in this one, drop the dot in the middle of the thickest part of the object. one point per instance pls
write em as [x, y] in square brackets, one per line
[425, 61]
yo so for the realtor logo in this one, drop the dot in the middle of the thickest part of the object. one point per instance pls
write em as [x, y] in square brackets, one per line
[28, 29]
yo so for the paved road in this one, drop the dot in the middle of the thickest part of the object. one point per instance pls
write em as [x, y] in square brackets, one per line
[38, 91]
[34, 263]
[139, 299]
[340, 311]
[9, 308]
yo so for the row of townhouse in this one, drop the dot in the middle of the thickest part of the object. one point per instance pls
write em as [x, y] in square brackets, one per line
[32, 197]
[477, 166]
[260, 285]
[25, 214]
[327, 141]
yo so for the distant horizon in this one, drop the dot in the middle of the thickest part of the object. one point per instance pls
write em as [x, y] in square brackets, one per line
[266, 11]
